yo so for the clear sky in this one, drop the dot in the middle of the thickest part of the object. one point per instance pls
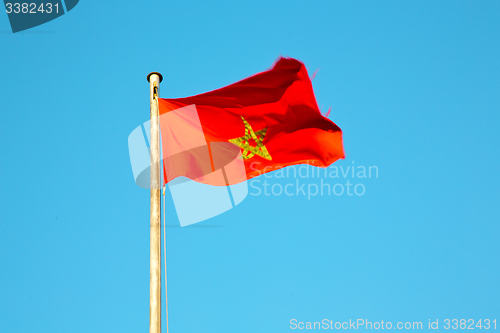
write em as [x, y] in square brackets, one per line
[414, 86]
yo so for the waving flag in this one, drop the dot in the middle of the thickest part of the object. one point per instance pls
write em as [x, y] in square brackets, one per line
[265, 122]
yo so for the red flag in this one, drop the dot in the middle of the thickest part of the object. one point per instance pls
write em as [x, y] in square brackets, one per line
[270, 119]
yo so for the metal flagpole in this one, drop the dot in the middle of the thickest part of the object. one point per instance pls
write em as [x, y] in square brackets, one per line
[155, 210]
[165, 256]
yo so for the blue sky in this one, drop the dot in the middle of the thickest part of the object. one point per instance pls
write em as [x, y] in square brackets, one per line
[414, 86]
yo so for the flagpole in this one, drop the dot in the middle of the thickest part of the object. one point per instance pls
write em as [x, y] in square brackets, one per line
[154, 80]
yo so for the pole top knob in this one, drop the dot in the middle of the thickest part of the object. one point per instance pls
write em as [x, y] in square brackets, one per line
[159, 75]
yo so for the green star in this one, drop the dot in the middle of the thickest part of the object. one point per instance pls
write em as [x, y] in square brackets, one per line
[250, 151]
